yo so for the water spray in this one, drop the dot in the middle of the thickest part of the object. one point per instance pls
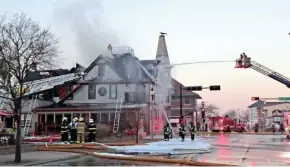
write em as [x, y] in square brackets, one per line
[198, 62]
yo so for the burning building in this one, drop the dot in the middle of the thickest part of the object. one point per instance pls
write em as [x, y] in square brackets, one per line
[114, 89]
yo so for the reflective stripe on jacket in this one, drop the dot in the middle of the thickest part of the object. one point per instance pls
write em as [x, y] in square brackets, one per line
[92, 128]
[182, 130]
[64, 127]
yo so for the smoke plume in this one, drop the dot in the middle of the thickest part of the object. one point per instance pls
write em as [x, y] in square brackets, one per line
[91, 33]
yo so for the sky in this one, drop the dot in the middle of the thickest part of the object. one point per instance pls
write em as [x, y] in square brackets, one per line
[198, 30]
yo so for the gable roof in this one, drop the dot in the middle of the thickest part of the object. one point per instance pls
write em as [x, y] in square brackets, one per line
[127, 67]
[261, 103]
[176, 85]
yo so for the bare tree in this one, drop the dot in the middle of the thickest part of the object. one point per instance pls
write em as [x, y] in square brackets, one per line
[232, 113]
[245, 114]
[210, 109]
[23, 44]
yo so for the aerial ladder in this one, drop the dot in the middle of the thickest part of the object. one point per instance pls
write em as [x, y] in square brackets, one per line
[37, 86]
[118, 110]
[246, 62]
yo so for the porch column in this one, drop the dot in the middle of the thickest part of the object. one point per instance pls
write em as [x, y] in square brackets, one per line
[54, 117]
[100, 116]
[45, 117]
[109, 116]
[90, 115]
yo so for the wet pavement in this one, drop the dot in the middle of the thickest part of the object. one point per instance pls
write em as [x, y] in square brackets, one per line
[237, 149]
[245, 150]
[87, 160]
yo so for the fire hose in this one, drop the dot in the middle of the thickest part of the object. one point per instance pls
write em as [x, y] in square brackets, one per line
[86, 149]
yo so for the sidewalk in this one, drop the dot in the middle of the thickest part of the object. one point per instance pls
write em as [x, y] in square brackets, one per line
[31, 158]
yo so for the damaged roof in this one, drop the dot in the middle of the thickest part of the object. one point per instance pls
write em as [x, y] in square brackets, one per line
[128, 67]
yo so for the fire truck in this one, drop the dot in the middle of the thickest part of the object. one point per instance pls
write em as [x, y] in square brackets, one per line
[226, 124]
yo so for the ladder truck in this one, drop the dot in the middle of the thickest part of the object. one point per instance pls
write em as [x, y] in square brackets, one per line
[245, 62]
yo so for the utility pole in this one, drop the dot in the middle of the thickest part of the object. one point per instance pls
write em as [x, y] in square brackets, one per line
[152, 99]
[180, 100]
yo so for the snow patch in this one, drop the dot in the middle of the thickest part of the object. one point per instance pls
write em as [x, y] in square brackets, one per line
[111, 154]
[173, 146]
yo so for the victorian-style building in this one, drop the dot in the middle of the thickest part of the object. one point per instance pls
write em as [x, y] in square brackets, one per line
[115, 81]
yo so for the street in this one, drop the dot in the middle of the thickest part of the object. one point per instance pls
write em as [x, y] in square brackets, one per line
[245, 150]
[235, 149]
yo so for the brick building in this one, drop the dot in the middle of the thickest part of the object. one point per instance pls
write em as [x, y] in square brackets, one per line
[189, 101]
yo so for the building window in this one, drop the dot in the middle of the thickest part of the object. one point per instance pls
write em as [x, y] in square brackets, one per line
[129, 97]
[113, 91]
[186, 100]
[70, 88]
[92, 91]
[101, 70]
[26, 117]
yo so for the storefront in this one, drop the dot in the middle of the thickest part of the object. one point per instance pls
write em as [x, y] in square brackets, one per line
[48, 121]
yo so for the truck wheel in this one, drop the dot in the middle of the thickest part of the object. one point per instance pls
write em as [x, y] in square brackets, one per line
[288, 137]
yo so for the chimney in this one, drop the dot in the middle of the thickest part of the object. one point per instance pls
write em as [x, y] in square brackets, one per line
[110, 48]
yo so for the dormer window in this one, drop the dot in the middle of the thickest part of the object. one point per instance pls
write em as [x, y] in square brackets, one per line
[101, 70]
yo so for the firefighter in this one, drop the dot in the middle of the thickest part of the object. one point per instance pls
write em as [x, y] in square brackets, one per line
[64, 130]
[191, 128]
[73, 130]
[273, 129]
[166, 131]
[92, 131]
[81, 131]
[256, 128]
[182, 132]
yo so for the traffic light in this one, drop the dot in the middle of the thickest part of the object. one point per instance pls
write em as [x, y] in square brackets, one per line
[203, 113]
[180, 119]
[194, 88]
[215, 87]
[255, 98]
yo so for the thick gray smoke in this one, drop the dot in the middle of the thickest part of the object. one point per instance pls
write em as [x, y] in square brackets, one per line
[83, 19]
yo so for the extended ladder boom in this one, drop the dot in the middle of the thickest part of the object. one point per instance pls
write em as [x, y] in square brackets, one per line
[270, 73]
[245, 62]
[49, 83]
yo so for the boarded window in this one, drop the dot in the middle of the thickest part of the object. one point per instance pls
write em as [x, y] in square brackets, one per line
[113, 91]
[129, 97]
[70, 88]
[92, 91]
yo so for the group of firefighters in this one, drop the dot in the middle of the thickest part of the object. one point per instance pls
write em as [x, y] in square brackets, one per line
[77, 129]
[182, 132]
